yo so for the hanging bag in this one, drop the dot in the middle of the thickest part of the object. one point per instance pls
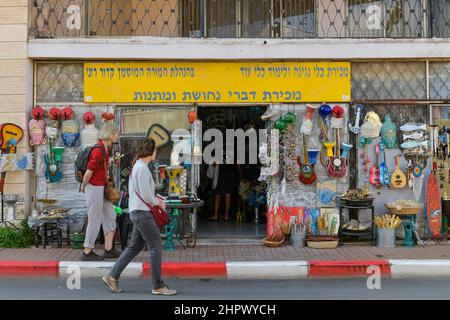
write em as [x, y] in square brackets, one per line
[112, 194]
[161, 216]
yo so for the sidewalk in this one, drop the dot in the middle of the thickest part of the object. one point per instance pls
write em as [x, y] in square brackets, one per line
[242, 262]
[234, 253]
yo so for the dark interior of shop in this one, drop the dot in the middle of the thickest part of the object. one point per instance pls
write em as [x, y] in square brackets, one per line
[241, 215]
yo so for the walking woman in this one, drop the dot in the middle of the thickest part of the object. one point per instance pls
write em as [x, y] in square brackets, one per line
[145, 230]
[99, 210]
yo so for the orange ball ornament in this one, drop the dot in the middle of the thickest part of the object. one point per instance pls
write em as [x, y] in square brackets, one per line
[192, 117]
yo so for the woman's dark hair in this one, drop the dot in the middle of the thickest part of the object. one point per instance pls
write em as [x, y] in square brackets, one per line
[145, 148]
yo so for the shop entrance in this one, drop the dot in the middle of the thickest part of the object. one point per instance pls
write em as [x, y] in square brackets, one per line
[229, 211]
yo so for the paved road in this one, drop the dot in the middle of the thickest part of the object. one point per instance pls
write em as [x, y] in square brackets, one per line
[92, 289]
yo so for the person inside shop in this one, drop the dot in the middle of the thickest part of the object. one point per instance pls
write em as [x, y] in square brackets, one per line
[100, 211]
[224, 182]
[145, 230]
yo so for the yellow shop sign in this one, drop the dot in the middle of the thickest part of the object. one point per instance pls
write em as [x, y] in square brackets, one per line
[216, 82]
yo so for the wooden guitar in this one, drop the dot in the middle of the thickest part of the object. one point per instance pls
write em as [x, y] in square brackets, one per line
[337, 167]
[374, 178]
[384, 171]
[10, 135]
[160, 134]
[10, 131]
[398, 179]
[307, 175]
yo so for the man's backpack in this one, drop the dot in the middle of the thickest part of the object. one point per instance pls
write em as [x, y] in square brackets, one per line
[82, 161]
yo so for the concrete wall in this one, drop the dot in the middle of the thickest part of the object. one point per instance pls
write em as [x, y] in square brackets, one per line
[159, 48]
[14, 89]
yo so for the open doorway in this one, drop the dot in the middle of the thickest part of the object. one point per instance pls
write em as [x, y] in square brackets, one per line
[233, 198]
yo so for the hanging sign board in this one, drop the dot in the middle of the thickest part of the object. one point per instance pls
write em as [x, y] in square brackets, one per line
[216, 82]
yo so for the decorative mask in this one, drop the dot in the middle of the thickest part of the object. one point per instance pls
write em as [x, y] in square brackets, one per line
[70, 131]
[36, 127]
[89, 134]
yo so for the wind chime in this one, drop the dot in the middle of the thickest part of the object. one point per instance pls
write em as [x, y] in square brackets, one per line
[54, 157]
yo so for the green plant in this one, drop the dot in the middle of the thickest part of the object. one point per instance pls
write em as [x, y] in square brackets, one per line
[17, 238]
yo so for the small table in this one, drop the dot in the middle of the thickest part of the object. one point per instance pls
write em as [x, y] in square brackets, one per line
[370, 232]
[172, 227]
[52, 230]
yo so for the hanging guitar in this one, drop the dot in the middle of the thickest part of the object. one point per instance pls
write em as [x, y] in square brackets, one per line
[307, 175]
[398, 179]
[374, 178]
[159, 134]
[10, 136]
[9, 131]
[324, 114]
[337, 167]
[384, 172]
[52, 168]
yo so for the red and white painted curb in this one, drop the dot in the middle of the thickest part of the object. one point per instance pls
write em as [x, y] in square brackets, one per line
[236, 270]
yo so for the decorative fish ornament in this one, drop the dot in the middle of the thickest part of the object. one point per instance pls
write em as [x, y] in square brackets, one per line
[414, 136]
[413, 127]
[414, 144]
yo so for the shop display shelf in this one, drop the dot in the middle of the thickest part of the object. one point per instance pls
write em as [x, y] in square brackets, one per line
[357, 233]
[362, 233]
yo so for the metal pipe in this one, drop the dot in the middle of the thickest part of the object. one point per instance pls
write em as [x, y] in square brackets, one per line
[203, 19]
[401, 102]
[86, 18]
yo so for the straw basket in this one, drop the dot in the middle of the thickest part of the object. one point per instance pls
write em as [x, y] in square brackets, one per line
[273, 244]
[404, 210]
[320, 242]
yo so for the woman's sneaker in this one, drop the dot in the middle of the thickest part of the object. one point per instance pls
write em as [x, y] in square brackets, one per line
[165, 291]
[112, 284]
[111, 254]
[91, 256]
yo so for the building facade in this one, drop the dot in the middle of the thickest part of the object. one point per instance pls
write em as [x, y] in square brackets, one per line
[399, 52]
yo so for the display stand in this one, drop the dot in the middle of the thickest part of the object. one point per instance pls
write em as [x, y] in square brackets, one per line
[176, 211]
[350, 233]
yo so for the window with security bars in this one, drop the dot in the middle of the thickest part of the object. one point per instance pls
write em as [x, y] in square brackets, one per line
[241, 18]
[439, 78]
[59, 83]
[389, 80]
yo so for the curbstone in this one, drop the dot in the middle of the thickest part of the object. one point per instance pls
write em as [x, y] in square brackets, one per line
[267, 270]
[420, 268]
[337, 269]
[29, 268]
[190, 270]
[98, 269]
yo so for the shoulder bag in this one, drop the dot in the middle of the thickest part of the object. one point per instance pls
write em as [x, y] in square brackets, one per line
[161, 216]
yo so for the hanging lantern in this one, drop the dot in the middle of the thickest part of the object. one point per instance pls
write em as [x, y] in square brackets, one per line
[281, 125]
[289, 118]
[108, 116]
[192, 116]
[89, 134]
[89, 118]
[337, 112]
[324, 111]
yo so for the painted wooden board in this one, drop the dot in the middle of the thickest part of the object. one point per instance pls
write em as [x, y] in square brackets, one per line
[433, 210]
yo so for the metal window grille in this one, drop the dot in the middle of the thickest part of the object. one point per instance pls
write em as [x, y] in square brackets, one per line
[389, 80]
[439, 78]
[59, 82]
[241, 18]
